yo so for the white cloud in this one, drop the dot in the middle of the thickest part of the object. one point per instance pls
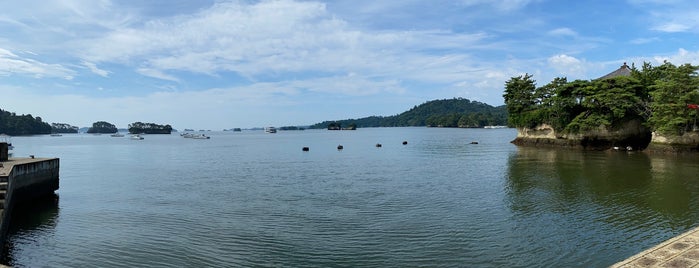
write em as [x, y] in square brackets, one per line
[157, 74]
[672, 27]
[94, 69]
[681, 57]
[563, 32]
[12, 64]
[567, 65]
[641, 41]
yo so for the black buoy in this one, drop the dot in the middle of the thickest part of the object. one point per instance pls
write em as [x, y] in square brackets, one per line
[405, 142]
[305, 149]
[339, 147]
[378, 145]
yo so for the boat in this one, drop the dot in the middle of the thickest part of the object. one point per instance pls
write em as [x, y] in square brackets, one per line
[201, 137]
[6, 139]
[117, 135]
[136, 137]
[55, 135]
[270, 130]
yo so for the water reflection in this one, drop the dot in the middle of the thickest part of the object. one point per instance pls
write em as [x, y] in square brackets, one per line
[601, 200]
[31, 220]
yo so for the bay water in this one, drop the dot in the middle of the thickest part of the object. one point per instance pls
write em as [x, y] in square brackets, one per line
[252, 199]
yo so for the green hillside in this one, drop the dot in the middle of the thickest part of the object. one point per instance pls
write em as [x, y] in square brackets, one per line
[456, 112]
[13, 124]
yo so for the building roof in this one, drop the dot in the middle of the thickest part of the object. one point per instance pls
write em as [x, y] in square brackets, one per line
[624, 70]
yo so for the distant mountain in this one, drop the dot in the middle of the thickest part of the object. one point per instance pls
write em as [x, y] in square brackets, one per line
[456, 112]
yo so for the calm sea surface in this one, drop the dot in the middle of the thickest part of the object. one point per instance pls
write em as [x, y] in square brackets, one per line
[250, 199]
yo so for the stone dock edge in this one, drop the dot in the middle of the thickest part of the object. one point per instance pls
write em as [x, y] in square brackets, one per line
[679, 251]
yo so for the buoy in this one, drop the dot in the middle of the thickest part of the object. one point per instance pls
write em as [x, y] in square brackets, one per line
[378, 145]
[339, 147]
[305, 149]
[405, 142]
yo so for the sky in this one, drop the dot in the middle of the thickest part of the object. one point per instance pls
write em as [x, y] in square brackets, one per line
[216, 64]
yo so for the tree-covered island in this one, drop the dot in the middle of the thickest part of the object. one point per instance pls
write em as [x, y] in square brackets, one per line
[102, 127]
[63, 128]
[456, 112]
[149, 128]
[13, 124]
[653, 107]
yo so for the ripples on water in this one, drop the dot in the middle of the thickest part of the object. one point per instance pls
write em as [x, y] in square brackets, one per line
[253, 199]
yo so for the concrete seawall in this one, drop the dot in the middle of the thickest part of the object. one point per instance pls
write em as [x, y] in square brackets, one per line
[22, 180]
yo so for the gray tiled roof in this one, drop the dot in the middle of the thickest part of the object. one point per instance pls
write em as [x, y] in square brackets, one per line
[624, 70]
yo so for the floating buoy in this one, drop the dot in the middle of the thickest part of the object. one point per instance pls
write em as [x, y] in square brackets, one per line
[305, 149]
[378, 145]
[339, 147]
[405, 142]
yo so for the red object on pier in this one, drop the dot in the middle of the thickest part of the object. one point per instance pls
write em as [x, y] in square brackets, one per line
[693, 106]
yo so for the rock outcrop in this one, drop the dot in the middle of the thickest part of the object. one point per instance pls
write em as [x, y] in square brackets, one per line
[630, 135]
[688, 142]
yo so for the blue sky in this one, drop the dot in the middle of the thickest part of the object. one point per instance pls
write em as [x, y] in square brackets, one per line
[214, 64]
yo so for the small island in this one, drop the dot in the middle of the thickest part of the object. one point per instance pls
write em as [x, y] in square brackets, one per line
[149, 128]
[102, 127]
[653, 108]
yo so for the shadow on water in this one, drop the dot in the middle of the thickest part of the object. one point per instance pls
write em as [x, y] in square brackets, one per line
[604, 201]
[30, 217]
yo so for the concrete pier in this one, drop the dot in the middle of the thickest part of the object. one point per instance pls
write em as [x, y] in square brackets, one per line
[680, 251]
[22, 180]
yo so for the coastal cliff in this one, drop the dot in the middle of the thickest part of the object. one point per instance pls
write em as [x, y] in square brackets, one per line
[631, 134]
[687, 142]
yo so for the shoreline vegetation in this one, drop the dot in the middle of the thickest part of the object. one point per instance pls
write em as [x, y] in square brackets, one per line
[653, 108]
[455, 112]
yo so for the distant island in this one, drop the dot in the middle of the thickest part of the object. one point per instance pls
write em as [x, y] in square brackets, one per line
[455, 112]
[149, 128]
[654, 108]
[63, 128]
[102, 127]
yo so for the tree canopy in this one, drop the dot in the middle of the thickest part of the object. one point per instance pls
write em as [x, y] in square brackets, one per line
[149, 128]
[63, 128]
[13, 124]
[657, 96]
[456, 112]
[102, 127]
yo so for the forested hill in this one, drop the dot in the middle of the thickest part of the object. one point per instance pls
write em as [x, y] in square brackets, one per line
[456, 112]
[13, 124]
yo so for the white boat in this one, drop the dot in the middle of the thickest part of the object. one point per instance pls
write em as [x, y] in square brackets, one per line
[201, 137]
[195, 136]
[270, 130]
[6, 139]
[117, 135]
[136, 137]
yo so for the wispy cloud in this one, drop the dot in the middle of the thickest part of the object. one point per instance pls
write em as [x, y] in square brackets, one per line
[11, 64]
[94, 69]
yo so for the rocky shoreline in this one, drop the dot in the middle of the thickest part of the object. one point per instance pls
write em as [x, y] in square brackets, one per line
[632, 136]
